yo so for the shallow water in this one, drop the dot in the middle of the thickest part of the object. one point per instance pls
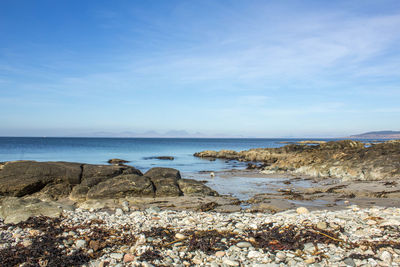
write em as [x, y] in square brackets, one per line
[245, 187]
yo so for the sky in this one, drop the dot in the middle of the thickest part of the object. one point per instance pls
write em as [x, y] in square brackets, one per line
[240, 68]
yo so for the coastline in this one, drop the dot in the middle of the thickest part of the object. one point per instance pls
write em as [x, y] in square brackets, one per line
[161, 219]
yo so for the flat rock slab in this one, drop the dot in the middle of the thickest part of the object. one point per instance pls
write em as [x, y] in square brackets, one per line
[15, 210]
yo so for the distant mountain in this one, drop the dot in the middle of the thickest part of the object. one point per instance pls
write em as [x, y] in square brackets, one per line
[177, 133]
[378, 135]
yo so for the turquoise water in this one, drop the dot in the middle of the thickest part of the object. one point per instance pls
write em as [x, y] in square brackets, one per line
[136, 150]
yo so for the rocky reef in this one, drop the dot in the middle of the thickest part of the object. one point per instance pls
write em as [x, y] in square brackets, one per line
[55, 180]
[29, 188]
[348, 160]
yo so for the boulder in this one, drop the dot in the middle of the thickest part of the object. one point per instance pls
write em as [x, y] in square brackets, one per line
[20, 178]
[195, 188]
[90, 171]
[166, 187]
[122, 186]
[79, 192]
[159, 172]
[15, 210]
[54, 191]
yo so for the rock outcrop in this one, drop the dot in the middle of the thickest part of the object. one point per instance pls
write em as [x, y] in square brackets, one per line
[15, 210]
[79, 182]
[346, 159]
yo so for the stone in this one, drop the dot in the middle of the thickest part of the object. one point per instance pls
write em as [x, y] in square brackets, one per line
[386, 257]
[195, 188]
[128, 258]
[26, 242]
[349, 262]
[79, 192]
[106, 171]
[254, 254]
[309, 260]
[219, 254]
[322, 225]
[244, 244]
[230, 262]
[116, 256]
[55, 180]
[161, 157]
[302, 210]
[15, 210]
[54, 192]
[281, 256]
[122, 186]
[119, 212]
[159, 172]
[166, 187]
[80, 243]
[180, 236]
[20, 178]
[117, 161]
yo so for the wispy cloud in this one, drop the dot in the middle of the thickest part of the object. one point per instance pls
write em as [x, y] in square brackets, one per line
[185, 60]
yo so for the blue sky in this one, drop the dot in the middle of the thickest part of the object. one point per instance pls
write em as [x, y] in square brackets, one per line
[221, 68]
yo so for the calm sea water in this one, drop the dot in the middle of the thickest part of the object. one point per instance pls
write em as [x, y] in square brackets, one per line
[135, 150]
[138, 150]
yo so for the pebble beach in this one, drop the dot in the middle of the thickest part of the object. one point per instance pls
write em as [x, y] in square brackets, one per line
[154, 237]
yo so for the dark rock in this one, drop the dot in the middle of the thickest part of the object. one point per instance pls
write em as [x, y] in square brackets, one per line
[160, 158]
[90, 171]
[54, 191]
[165, 158]
[195, 188]
[166, 187]
[117, 161]
[159, 172]
[20, 178]
[122, 186]
[251, 166]
[79, 192]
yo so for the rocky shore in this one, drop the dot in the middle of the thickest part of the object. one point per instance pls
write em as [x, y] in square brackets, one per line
[339, 173]
[73, 214]
[347, 160]
[351, 237]
[30, 188]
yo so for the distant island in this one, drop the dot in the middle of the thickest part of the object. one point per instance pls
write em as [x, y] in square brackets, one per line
[378, 135]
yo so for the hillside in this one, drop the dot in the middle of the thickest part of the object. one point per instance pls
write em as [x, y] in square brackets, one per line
[378, 135]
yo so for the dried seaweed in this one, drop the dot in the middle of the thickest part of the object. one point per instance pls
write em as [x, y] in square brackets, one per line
[47, 248]
[150, 256]
[208, 241]
[271, 238]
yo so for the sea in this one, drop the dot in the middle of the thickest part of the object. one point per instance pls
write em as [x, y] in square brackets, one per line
[142, 152]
